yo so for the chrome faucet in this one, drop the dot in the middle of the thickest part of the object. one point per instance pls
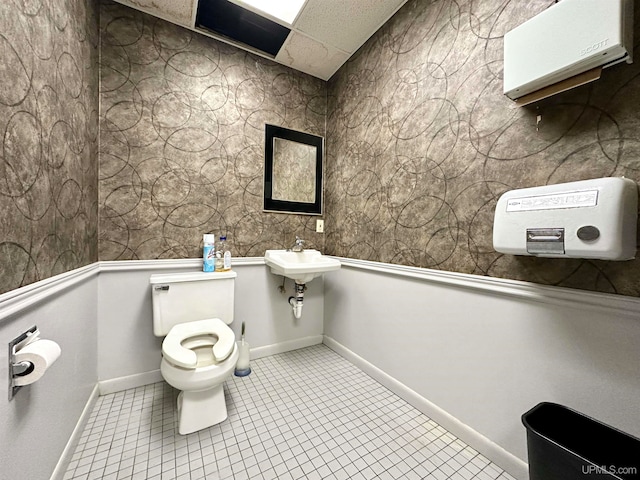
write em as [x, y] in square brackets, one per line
[298, 246]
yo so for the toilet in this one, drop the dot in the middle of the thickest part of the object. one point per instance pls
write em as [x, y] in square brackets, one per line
[192, 311]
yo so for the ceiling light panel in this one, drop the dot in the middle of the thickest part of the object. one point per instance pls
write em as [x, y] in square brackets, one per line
[285, 10]
[239, 24]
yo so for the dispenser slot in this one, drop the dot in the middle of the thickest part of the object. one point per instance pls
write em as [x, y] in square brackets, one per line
[545, 241]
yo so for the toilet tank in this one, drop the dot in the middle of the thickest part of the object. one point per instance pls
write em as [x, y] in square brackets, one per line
[186, 297]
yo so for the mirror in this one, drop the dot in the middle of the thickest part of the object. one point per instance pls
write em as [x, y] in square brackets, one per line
[293, 171]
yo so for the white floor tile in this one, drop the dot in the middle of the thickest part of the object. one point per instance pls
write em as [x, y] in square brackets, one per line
[302, 414]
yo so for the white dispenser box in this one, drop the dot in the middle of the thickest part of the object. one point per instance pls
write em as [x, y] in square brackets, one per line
[567, 39]
[586, 219]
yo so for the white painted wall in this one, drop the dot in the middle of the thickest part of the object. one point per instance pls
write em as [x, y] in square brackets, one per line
[38, 422]
[102, 322]
[483, 350]
[128, 347]
[487, 350]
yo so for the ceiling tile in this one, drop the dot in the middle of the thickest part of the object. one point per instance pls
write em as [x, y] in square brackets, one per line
[309, 56]
[345, 25]
[323, 38]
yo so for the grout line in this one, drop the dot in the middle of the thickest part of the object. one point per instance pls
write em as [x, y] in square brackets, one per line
[308, 412]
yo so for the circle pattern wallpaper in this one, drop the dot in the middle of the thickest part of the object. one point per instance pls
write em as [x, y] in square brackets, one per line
[182, 140]
[48, 139]
[422, 142]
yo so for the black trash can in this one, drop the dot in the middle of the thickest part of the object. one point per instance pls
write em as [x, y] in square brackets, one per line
[566, 445]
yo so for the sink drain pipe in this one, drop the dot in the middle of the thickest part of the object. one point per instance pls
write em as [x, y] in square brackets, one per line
[296, 301]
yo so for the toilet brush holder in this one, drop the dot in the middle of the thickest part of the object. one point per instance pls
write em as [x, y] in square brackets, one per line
[242, 367]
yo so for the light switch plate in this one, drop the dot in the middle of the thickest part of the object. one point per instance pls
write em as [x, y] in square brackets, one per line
[319, 226]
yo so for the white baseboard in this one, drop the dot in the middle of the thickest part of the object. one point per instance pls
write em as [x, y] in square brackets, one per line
[141, 379]
[287, 346]
[479, 442]
[130, 381]
[498, 455]
[72, 443]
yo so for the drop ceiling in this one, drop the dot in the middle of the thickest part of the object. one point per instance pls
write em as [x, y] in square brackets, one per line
[323, 36]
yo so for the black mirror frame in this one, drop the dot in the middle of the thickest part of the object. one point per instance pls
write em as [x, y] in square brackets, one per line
[272, 205]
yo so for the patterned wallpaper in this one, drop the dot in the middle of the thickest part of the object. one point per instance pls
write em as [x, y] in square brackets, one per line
[421, 143]
[48, 138]
[182, 121]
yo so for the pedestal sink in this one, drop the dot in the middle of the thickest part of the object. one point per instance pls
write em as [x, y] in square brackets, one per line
[301, 267]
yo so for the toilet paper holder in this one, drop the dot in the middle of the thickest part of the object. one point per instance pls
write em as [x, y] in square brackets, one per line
[19, 369]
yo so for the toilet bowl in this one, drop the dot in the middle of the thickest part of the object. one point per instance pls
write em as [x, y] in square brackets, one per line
[197, 357]
[199, 351]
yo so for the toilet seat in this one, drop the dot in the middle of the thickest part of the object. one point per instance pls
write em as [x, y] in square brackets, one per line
[177, 354]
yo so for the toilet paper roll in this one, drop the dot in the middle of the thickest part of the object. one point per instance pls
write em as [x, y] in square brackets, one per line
[42, 353]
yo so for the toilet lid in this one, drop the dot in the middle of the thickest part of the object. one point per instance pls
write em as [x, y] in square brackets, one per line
[175, 353]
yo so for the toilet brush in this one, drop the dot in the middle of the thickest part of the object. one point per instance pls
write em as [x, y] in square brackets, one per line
[242, 366]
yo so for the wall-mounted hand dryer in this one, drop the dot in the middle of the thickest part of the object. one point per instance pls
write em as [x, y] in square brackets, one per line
[586, 219]
[565, 46]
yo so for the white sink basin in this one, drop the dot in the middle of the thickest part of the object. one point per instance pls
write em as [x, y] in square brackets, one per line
[299, 266]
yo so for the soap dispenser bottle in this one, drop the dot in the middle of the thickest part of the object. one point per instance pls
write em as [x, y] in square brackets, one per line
[223, 255]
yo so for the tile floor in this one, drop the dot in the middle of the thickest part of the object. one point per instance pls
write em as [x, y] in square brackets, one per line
[303, 414]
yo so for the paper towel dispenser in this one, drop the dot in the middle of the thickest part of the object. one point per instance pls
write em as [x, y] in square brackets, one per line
[565, 46]
[586, 219]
